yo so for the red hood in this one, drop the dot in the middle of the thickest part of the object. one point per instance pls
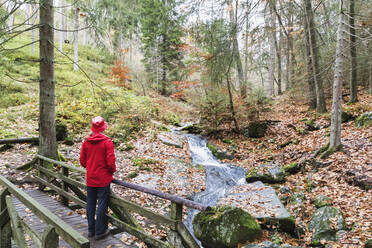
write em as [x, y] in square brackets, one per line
[95, 138]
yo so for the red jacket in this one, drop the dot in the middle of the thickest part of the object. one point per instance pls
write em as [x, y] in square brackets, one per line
[98, 157]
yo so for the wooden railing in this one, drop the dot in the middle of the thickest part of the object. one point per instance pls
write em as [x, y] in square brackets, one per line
[62, 178]
[11, 225]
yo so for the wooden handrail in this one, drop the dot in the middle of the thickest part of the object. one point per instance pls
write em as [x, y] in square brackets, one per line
[71, 236]
[172, 198]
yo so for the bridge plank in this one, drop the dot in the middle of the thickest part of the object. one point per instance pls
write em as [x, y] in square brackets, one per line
[75, 221]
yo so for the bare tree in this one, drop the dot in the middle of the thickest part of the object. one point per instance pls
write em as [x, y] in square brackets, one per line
[335, 138]
[47, 127]
[353, 53]
[320, 100]
[76, 39]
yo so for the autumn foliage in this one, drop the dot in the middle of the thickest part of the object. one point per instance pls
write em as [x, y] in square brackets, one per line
[119, 75]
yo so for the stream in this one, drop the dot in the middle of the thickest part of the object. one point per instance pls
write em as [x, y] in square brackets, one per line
[220, 177]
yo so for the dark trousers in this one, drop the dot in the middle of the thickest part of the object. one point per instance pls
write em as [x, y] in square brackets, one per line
[97, 224]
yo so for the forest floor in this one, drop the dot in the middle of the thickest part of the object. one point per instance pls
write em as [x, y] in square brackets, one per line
[148, 158]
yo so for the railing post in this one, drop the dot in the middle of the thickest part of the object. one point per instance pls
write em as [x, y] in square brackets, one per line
[40, 174]
[176, 214]
[50, 238]
[17, 230]
[5, 228]
[65, 186]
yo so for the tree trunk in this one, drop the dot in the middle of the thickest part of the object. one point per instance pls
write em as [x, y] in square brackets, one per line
[270, 26]
[47, 127]
[60, 25]
[236, 53]
[309, 68]
[246, 47]
[76, 40]
[320, 100]
[335, 138]
[279, 63]
[353, 55]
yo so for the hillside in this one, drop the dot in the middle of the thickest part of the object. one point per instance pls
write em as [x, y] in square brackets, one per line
[143, 159]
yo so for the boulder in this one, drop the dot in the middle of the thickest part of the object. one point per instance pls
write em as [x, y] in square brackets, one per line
[325, 223]
[346, 117]
[225, 227]
[61, 131]
[219, 153]
[364, 120]
[267, 244]
[255, 130]
[262, 203]
[171, 139]
[292, 168]
[321, 201]
[267, 173]
[191, 128]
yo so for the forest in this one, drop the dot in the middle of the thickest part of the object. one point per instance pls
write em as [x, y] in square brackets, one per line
[260, 110]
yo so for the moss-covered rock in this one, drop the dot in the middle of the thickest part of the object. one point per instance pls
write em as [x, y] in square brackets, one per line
[255, 129]
[225, 227]
[219, 153]
[346, 117]
[267, 173]
[322, 201]
[311, 125]
[364, 120]
[192, 128]
[292, 168]
[325, 223]
[61, 131]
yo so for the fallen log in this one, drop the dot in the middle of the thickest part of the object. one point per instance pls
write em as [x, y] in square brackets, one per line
[34, 140]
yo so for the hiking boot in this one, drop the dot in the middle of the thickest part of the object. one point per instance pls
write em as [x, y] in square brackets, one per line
[103, 235]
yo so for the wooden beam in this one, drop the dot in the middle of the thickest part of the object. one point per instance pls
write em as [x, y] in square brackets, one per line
[186, 236]
[50, 238]
[4, 217]
[17, 230]
[79, 169]
[139, 234]
[72, 237]
[61, 191]
[36, 238]
[20, 140]
[60, 176]
[161, 219]
[5, 230]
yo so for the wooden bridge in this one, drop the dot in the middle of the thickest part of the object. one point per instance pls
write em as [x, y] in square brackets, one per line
[31, 218]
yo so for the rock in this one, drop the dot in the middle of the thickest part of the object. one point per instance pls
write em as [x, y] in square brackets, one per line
[325, 223]
[321, 201]
[255, 130]
[368, 244]
[68, 141]
[292, 168]
[267, 244]
[225, 227]
[311, 126]
[267, 173]
[358, 178]
[61, 131]
[364, 120]
[219, 153]
[262, 203]
[346, 117]
[192, 128]
[171, 139]
[285, 190]
[6, 147]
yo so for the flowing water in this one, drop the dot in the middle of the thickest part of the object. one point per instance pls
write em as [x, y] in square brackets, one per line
[220, 177]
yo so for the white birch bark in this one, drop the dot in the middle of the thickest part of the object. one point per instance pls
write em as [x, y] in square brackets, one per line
[335, 138]
[76, 40]
[61, 24]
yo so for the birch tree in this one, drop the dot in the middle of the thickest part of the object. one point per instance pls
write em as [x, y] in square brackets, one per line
[335, 137]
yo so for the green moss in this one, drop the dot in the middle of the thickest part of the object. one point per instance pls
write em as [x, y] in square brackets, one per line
[132, 174]
[213, 149]
[291, 168]
[141, 162]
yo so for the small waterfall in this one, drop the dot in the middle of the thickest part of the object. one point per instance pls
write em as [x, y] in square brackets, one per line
[220, 177]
